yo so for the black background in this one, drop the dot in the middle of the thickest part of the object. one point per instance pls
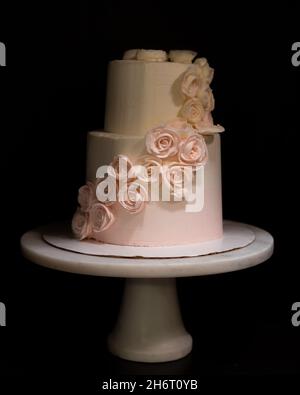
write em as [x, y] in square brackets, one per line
[53, 93]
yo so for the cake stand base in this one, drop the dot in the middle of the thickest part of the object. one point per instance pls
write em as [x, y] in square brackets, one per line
[149, 327]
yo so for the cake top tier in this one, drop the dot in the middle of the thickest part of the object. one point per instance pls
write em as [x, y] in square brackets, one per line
[145, 90]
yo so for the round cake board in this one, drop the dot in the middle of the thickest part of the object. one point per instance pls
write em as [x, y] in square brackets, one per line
[234, 236]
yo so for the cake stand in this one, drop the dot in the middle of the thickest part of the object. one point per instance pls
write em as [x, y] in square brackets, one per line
[149, 327]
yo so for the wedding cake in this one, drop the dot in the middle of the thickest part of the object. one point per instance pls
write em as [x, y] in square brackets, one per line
[154, 174]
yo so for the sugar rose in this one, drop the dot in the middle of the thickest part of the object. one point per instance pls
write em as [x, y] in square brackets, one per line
[207, 99]
[192, 110]
[162, 142]
[101, 217]
[205, 71]
[86, 196]
[193, 150]
[133, 197]
[174, 177]
[148, 168]
[191, 82]
[80, 224]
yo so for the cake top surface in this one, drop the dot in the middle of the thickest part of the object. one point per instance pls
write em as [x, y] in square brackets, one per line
[154, 55]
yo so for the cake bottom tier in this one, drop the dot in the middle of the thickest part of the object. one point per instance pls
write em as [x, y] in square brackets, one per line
[160, 223]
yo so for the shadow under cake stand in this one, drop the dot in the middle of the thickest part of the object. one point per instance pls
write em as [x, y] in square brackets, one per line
[149, 327]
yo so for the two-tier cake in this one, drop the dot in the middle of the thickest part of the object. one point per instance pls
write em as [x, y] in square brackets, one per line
[154, 173]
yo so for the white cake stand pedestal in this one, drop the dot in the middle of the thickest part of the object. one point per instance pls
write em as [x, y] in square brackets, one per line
[149, 327]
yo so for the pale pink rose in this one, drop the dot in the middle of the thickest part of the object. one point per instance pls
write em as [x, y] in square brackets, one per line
[86, 196]
[121, 165]
[193, 150]
[101, 217]
[80, 224]
[174, 177]
[162, 142]
[191, 82]
[148, 168]
[133, 197]
[207, 99]
[192, 110]
[205, 71]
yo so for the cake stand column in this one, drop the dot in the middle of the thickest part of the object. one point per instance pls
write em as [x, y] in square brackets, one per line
[149, 327]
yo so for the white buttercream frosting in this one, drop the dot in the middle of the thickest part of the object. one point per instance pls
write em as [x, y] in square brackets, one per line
[152, 55]
[130, 54]
[180, 56]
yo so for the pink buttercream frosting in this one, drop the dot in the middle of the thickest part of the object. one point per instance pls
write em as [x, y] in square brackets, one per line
[92, 216]
[193, 150]
[171, 148]
[81, 224]
[101, 217]
[86, 196]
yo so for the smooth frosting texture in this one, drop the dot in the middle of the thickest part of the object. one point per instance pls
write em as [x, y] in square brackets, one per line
[141, 95]
[161, 223]
[103, 146]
